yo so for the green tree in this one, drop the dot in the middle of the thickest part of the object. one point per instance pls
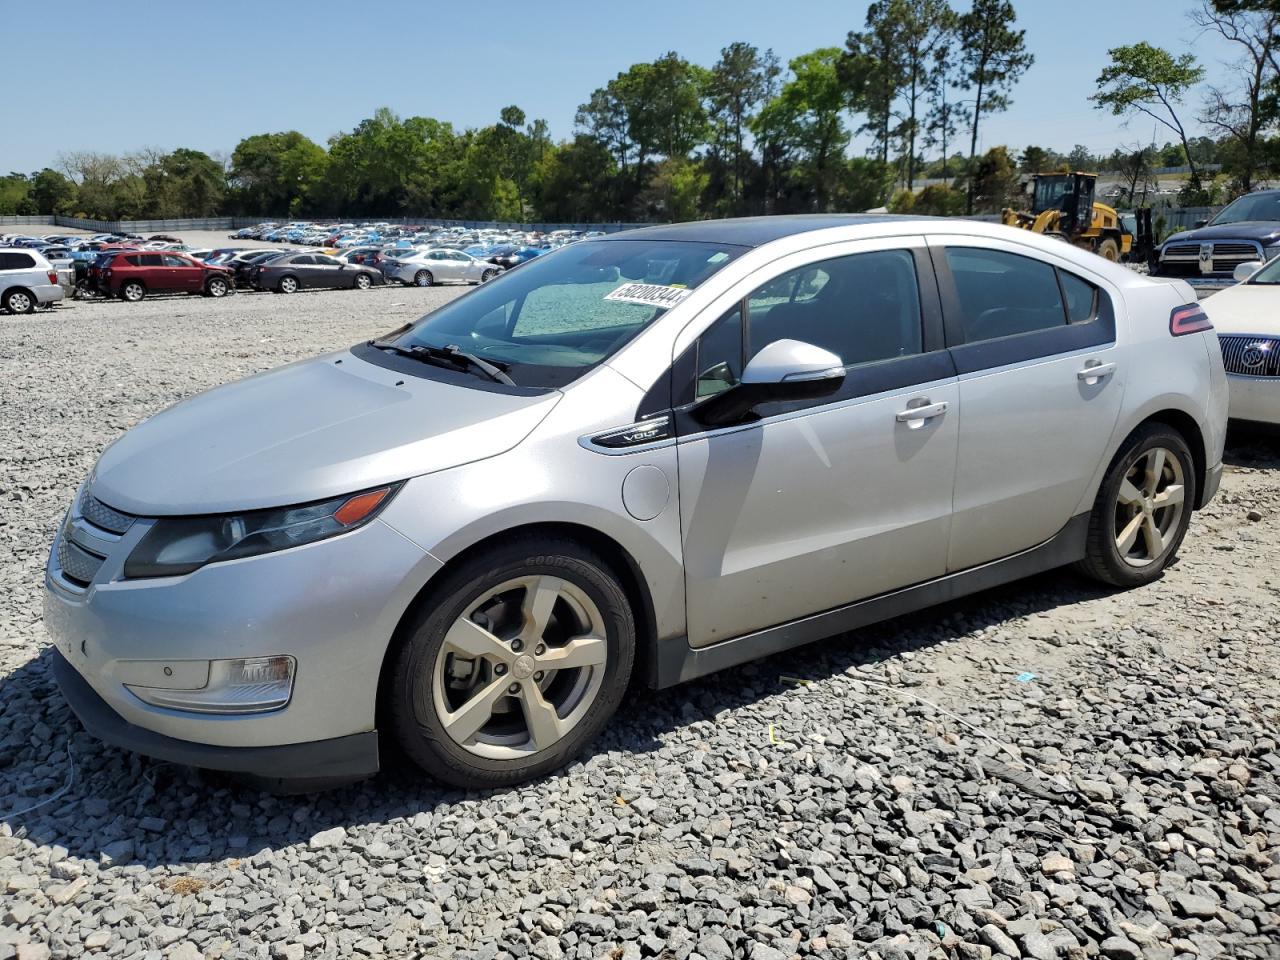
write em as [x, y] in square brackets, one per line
[1081, 158]
[873, 73]
[809, 112]
[993, 57]
[274, 173]
[918, 30]
[576, 181]
[1034, 160]
[734, 90]
[1148, 80]
[52, 192]
[993, 179]
[1241, 115]
[15, 195]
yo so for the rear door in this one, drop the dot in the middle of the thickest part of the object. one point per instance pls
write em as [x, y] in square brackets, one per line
[329, 272]
[1034, 343]
[303, 267]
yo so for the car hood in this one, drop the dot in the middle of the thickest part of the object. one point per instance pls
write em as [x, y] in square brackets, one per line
[1249, 309]
[1264, 231]
[308, 431]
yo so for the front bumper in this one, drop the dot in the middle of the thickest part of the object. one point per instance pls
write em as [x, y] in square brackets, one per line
[1254, 399]
[341, 758]
[332, 605]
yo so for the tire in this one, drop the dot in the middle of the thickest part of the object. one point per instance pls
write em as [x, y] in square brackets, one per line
[287, 285]
[1125, 512]
[82, 291]
[1108, 249]
[423, 278]
[216, 287]
[488, 275]
[133, 291]
[428, 683]
[363, 282]
[18, 300]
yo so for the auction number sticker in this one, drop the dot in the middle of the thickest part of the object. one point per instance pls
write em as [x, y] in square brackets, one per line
[649, 294]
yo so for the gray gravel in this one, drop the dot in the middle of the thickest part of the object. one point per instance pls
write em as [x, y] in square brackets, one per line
[911, 791]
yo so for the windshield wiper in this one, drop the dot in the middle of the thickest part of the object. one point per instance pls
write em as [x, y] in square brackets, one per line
[452, 355]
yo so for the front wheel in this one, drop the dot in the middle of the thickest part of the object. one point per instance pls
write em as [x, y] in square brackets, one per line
[1142, 510]
[488, 275]
[517, 661]
[217, 287]
[363, 282]
[1108, 249]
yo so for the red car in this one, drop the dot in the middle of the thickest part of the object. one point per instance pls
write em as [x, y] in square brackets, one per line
[132, 275]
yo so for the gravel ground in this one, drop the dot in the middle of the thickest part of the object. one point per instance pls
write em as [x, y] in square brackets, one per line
[1046, 770]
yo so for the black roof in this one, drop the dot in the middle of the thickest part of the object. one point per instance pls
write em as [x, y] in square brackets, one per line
[751, 231]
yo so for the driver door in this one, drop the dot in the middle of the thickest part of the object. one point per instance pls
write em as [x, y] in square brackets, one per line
[810, 505]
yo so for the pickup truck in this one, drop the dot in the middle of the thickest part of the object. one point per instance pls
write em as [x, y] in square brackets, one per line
[1206, 257]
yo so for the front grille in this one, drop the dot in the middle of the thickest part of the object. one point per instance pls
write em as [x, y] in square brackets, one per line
[100, 515]
[1183, 259]
[1235, 250]
[1251, 356]
[77, 564]
[1191, 250]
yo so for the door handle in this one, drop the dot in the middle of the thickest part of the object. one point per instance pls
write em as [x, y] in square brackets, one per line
[918, 415]
[1094, 373]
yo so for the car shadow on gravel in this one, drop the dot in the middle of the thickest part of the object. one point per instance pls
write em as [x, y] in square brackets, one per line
[1252, 445]
[123, 809]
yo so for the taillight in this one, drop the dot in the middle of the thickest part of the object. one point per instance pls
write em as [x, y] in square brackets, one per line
[1189, 318]
[53, 276]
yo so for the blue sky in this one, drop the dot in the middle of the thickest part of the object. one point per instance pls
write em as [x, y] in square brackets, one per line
[205, 76]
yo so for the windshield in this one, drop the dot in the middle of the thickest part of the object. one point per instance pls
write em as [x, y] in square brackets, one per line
[1255, 206]
[1268, 275]
[563, 313]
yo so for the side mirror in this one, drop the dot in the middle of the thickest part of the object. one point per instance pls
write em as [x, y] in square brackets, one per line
[1244, 271]
[1201, 223]
[784, 370]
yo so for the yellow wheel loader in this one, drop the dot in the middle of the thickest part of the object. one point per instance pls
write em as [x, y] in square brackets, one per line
[1062, 206]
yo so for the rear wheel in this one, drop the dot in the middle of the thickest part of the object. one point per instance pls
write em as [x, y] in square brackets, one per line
[133, 291]
[1142, 510]
[423, 278]
[19, 301]
[288, 285]
[1108, 249]
[363, 282]
[520, 658]
[216, 287]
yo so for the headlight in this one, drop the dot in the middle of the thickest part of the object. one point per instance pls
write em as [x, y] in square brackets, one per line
[178, 545]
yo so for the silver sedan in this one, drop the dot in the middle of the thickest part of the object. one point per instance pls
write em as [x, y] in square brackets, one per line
[424, 268]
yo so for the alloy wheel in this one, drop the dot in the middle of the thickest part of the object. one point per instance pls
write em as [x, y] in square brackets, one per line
[217, 288]
[133, 292]
[1149, 506]
[363, 281]
[19, 303]
[422, 278]
[488, 275]
[288, 285]
[520, 669]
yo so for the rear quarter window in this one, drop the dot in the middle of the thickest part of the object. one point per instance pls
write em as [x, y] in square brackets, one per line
[16, 261]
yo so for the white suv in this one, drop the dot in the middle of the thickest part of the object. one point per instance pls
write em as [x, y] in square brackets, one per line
[26, 279]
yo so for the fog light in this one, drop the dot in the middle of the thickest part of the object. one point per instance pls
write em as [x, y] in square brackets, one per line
[235, 686]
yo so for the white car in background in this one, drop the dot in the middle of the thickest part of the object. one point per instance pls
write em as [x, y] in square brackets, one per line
[1247, 319]
[428, 267]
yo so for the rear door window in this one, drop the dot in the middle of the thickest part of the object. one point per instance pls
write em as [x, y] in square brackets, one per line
[1002, 294]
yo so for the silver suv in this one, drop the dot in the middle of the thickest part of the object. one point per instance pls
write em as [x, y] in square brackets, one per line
[27, 280]
[665, 452]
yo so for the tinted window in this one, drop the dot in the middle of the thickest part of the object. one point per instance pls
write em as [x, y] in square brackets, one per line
[133, 261]
[863, 308]
[151, 259]
[1002, 294]
[304, 260]
[325, 261]
[16, 261]
[1082, 298]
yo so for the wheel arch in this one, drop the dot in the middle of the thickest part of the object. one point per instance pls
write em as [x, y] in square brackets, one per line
[19, 288]
[621, 562]
[1172, 416]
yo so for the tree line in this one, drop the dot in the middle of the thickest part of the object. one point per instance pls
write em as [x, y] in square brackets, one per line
[675, 140]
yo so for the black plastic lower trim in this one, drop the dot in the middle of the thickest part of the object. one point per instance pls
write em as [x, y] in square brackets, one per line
[677, 662]
[342, 758]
